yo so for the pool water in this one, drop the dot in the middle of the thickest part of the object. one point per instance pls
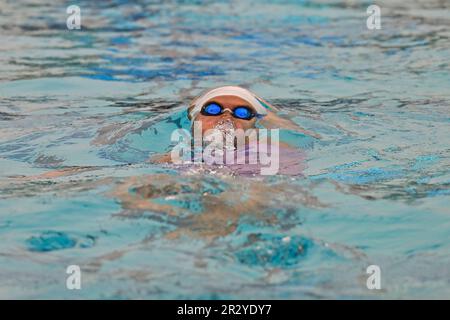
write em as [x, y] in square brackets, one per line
[98, 102]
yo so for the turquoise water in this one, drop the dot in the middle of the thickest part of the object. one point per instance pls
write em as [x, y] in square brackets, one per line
[375, 190]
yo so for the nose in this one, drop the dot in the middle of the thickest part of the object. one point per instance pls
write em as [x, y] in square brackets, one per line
[228, 114]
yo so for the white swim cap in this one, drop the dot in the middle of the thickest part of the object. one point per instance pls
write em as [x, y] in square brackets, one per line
[257, 103]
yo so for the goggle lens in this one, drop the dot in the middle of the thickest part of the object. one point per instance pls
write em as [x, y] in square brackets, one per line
[213, 109]
[242, 113]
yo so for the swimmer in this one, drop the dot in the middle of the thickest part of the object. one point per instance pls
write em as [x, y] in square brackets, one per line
[231, 109]
[221, 108]
[225, 108]
[240, 106]
[218, 212]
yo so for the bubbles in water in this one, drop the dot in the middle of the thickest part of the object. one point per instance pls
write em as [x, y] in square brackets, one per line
[227, 129]
[274, 250]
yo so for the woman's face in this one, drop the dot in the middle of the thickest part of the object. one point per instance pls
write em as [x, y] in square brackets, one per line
[230, 102]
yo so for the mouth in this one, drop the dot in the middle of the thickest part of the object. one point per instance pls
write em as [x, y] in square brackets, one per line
[227, 129]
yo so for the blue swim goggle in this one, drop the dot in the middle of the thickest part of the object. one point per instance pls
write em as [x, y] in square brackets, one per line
[215, 109]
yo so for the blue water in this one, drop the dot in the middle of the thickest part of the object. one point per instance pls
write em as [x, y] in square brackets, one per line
[103, 99]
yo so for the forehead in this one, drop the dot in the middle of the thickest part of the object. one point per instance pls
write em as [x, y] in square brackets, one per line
[230, 101]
